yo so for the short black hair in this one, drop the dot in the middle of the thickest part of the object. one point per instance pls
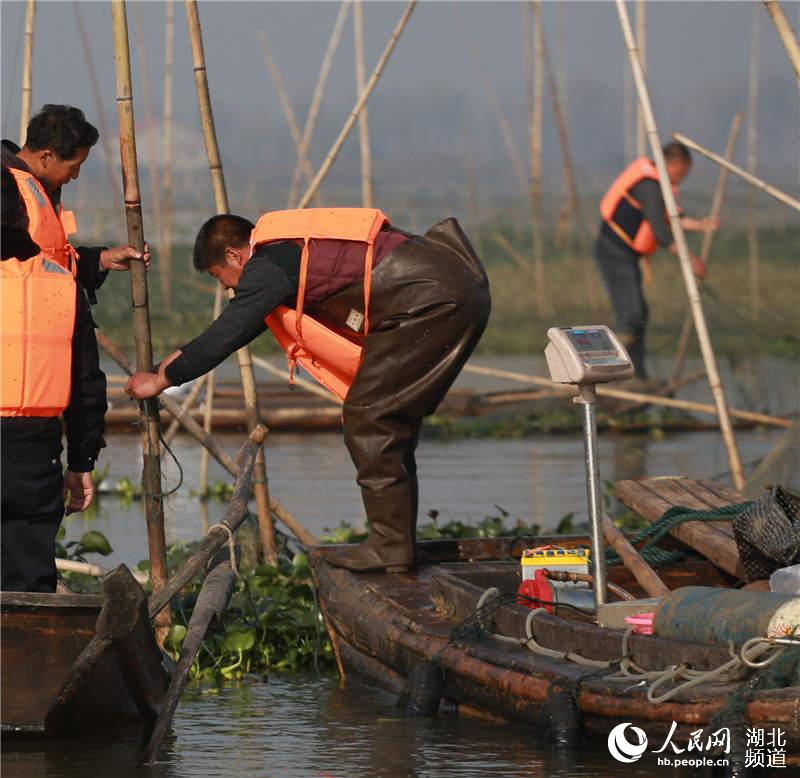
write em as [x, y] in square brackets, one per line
[62, 129]
[677, 151]
[217, 234]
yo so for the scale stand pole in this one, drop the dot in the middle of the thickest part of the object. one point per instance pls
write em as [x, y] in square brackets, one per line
[587, 398]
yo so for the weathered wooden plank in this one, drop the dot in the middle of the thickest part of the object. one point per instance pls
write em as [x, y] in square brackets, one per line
[648, 499]
[679, 493]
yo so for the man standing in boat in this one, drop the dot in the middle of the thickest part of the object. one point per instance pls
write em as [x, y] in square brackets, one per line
[382, 318]
[634, 224]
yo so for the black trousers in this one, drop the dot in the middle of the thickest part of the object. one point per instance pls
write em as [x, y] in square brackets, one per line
[32, 508]
[622, 279]
[429, 306]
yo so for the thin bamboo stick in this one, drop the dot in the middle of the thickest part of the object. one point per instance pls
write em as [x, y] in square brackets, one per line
[641, 45]
[208, 409]
[786, 34]
[285, 102]
[359, 106]
[705, 250]
[506, 134]
[471, 189]
[363, 119]
[692, 290]
[260, 485]
[751, 179]
[148, 410]
[152, 148]
[534, 78]
[27, 71]
[752, 156]
[300, 383]
[636, 397]
[98, 100]
[628, 114]
[165, 249]
[186, 405]
[519, 258]
[316, 97]
[573, 198]
[216, 449]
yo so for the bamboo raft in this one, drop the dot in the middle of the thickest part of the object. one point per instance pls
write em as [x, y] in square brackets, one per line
[383, 626]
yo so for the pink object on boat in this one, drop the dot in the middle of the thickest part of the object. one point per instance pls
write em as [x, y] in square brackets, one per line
[642, 623]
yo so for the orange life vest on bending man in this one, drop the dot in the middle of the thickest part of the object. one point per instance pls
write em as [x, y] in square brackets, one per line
[331, 358]
[37, 320]
[48, 230]
[632, 229]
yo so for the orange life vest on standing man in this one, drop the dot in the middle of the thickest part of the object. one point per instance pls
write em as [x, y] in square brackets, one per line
[643, 240]
[328, 356]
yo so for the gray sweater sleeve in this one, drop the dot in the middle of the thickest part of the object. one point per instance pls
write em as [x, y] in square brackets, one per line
[269, 279]
[648, 194]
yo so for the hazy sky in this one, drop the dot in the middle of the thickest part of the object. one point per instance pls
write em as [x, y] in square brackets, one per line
[430, 97]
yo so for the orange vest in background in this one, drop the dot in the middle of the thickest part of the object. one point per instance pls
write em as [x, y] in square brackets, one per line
[48, 229]
[37, 320]
[644, 241]
[332, 359]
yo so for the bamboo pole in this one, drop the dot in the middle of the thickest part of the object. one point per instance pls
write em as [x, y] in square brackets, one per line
[705, 249]
[752, 153]
[534, 80]
[786, 34]
[628, 114]
[636, 397]
[641, 45]
[165, 249]
[215, 448]
[751, 179]
[300, 383]
[208, 409]
[98, 100]
[645, 576]
[186, 405]
[151, 145]
[506, 134]
[471, 189]
[363, 119]
[285, 102]
[359, 106]
[519, 258]
[709, 358]
[260, 484]
[316, 97]
[148, 409]
[27, 71]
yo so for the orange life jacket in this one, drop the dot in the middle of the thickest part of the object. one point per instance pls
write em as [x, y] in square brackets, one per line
[37, 319]
[644, 241]
[48, 229]
[331, 358]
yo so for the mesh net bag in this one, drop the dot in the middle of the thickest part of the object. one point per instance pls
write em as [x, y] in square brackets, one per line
[768, 533]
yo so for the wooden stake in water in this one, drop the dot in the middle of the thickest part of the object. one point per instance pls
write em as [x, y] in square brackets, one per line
[786, 33]
[316, 97]
[692, 290]
[149, 421]
[27, 71]
[208, 410]
[165, 258]
[359, 106]
[363, 119]
[752, 156]
[260, 486]
[705, 250]
[641, 45]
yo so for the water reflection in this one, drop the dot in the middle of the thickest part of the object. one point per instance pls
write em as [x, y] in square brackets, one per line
[297, 726]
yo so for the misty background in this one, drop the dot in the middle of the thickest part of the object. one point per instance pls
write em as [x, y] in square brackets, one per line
[430, 119]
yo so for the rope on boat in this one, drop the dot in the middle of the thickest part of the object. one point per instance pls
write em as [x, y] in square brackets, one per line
[672, 518]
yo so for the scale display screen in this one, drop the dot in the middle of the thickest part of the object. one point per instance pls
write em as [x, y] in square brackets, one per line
[591, 340]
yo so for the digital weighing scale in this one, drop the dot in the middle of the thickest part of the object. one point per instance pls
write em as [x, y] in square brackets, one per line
[587, 356]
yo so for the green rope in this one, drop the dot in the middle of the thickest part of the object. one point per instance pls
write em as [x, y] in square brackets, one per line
[650, 536]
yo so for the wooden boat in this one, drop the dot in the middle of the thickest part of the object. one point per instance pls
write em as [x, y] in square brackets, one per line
[383, 626]
[78, 663]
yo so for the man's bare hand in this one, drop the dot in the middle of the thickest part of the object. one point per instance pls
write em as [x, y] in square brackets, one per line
[78, 491]
[141, 386]
[120, 257]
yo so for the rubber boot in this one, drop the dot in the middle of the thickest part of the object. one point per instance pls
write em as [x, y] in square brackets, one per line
[390, 545]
